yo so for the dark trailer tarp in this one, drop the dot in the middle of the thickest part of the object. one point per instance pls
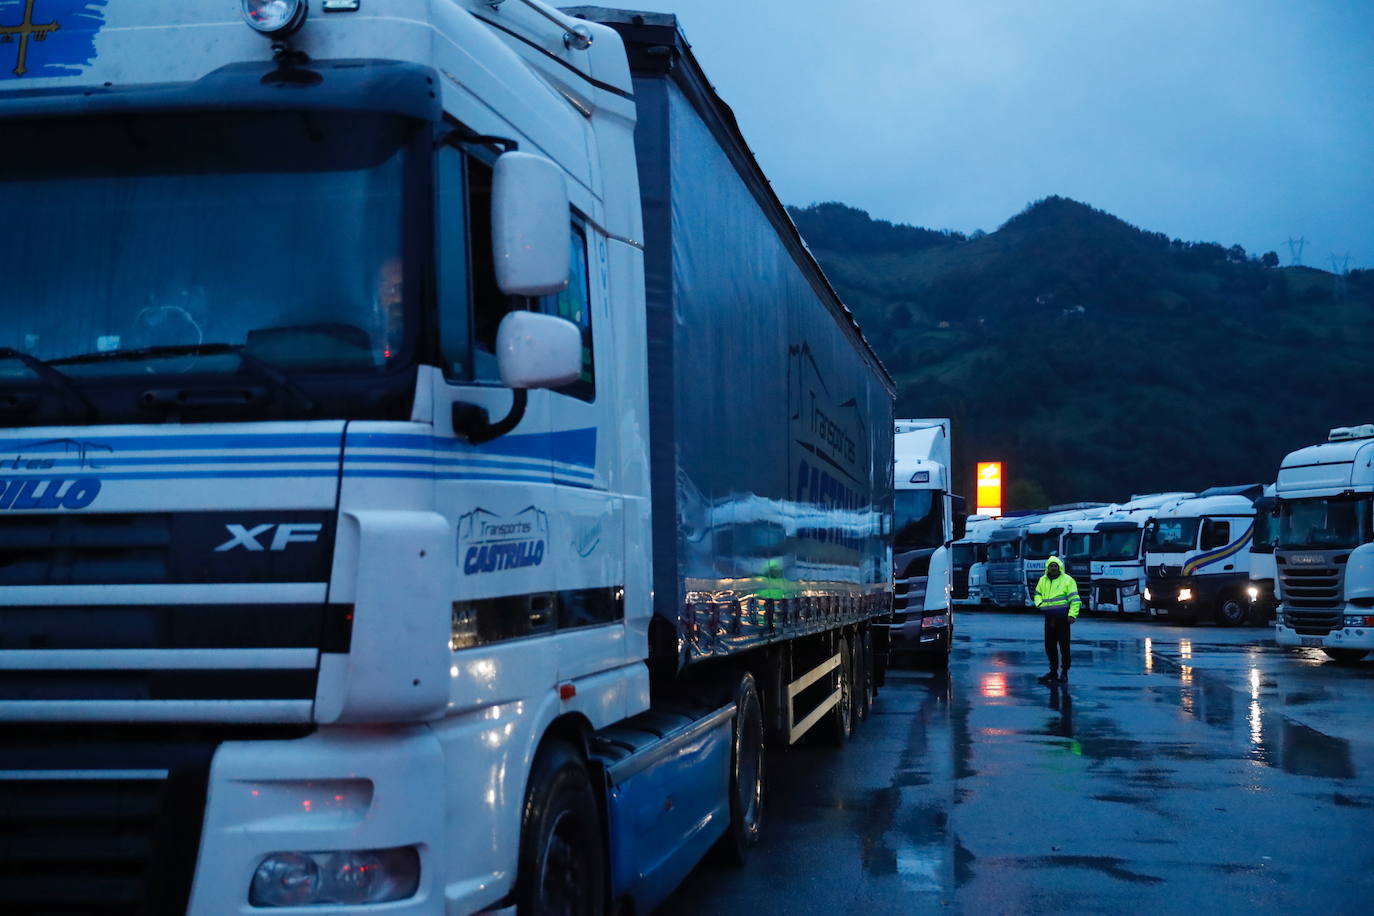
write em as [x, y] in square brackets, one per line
[771, 416]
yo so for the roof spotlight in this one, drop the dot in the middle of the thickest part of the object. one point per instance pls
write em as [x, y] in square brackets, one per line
[275, 18]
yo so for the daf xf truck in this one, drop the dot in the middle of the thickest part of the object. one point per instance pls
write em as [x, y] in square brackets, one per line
[1324, 552]
[432, 464]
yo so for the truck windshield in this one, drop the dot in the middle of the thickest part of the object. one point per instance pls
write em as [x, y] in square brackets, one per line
[1041, 546]
[920, 519]
[153, 245]
[1117, 545]
[1003, 550]
[1172, 535]
[1266, 532]
[1077, 546]
[1323, 523]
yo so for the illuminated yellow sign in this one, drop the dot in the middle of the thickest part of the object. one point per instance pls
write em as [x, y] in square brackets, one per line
[990, 488]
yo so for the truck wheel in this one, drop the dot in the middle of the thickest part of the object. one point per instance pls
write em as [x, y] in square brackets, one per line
[865, 680]
[746, 774]
[1345, 656]
[1231, 611]
[561, 861]
[839, 721]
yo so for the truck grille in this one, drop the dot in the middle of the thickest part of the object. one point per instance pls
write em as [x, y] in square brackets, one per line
[165, 662]
[909, 593]
[960, 582]
[1106, 594]
[1311, 586]
[1004, 574]
[117, 836]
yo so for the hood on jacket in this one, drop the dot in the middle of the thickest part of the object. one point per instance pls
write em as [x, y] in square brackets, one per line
[1063, 570]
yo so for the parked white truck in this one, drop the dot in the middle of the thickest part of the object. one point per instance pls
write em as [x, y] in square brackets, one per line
[969, 560]
[1118, 554]
[1197, 556]
[385, 523]
[1325, 546]
[928, 518]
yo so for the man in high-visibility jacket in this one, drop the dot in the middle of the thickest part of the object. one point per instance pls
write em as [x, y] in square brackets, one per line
[1056, 594]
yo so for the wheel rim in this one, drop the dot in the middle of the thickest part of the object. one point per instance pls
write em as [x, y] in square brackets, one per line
[846, 697]
[563, 877]
[1232, 612]
[750, 775]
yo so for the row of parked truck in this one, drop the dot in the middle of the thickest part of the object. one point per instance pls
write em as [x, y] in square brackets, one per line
[1297, 552]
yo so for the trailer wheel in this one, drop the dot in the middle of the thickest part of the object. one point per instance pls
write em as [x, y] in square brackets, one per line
[1231, 611]
[1345, 656]
[839, 721]
[561, 860]
[865, 679]
[746, 774]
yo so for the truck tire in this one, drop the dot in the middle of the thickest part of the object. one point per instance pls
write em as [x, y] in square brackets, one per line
[1231, 611]
[746, 774]
[562, 867]
[1345, 656]
[865, 680]
[839, 722]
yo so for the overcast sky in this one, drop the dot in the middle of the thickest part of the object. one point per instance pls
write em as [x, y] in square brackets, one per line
[1234, 121]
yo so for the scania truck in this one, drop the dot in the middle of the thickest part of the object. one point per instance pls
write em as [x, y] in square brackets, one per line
[1197, 556]
[928, 519]
[1324, 551]
[432, 466]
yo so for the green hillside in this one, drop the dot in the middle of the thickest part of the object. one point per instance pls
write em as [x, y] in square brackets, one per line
[1099, 360]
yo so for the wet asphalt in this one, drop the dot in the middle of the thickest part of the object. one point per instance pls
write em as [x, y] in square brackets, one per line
[1181, 770]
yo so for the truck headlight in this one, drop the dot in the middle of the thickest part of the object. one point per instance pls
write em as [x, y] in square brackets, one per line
[935, 622]
[1253, 593]
[349, 877]
[1359, 621]
[277, 18]
[1147, 594]
[1185, 594]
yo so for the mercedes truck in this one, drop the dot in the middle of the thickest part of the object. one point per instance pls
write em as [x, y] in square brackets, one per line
[1197, 556]
[432, 466]
[1324, 551]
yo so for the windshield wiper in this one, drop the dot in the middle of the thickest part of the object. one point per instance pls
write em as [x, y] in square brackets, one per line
[261, 367]
[59, 381]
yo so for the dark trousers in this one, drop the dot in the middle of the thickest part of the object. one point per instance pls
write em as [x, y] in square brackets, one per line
[1057, 641]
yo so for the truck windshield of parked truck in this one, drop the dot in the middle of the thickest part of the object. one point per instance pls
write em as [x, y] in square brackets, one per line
[1042, 546]
[920, 519]
[1003, 550]
[155, 245]
[1078, 546]
[1324, 523]
[1172, 535]
[1266, 531]
[1117, 545]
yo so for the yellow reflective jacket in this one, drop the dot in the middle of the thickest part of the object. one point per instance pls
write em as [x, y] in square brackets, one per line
[1055, 596]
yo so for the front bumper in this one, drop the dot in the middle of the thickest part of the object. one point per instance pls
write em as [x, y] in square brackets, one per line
[1358, 638]
[920, 634]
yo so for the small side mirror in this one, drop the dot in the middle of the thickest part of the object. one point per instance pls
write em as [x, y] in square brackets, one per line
[529, 219]
[960, 506]
[534, 350]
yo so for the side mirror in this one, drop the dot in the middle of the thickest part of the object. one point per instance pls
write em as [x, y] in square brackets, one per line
[534, 350]
[529, 220]
[960, 517]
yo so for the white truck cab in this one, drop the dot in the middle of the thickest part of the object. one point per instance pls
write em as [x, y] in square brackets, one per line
[1324, 552]
[1197, 556]
[1118, 554]
[969, 560]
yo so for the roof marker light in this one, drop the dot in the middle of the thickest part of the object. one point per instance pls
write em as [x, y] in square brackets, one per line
[276, 18]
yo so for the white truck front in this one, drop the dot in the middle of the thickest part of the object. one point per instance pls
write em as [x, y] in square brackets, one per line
[1197, 556]
[1118, 554]
[292, 475]
[1323, 552]
[927, 515]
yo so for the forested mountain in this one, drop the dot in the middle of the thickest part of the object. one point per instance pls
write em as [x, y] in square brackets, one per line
[1099, 360]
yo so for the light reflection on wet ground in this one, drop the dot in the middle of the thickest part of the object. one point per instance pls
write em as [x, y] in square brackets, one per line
[1179, 769]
